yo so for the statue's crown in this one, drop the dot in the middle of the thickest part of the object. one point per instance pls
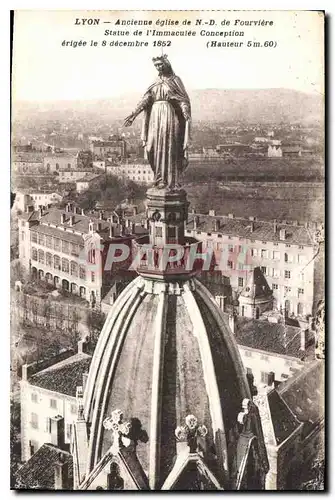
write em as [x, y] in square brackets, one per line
[160, 58]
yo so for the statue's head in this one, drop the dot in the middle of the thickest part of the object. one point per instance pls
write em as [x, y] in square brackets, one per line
[162, 64]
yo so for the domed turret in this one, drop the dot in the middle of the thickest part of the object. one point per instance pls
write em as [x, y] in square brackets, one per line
[167, 400]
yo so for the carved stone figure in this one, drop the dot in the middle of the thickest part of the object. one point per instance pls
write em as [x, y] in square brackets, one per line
[166, 125]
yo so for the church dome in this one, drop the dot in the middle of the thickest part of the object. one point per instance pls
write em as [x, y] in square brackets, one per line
[166, 353]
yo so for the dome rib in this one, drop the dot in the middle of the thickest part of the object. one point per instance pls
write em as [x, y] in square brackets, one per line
[156, 394]
[106, 371]
[209, 378]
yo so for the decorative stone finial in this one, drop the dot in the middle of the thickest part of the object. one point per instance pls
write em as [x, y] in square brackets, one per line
[190, 432]
[119, 429]
[244, 417]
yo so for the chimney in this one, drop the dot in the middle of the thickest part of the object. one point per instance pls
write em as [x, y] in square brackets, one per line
[252, 217]
[61, 473]
[252, 227]
[230, 216]
[135, 210]
[57, 431]
[99, 226]
[211, 213]
[78, 211]
[303, 339]
[193, 211]
[71, 222]
[40, 211]
[127, 223]
[271, 378]
[101, 215]
[68, 207]
[62, 218]
[133, 228]
[232, 322]
[24, 373]
[216, 225]
[82, 211]
[111, 231]
[282, 234]
[195, 222]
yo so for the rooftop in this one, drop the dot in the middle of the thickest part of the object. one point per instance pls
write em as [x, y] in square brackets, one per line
[278, 338]
[283, 420]
[256, 285]
[89, 176]
[39, 471]
[63, 377]
[304, 393]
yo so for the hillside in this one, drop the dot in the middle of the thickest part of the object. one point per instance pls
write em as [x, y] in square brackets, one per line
[248, 106]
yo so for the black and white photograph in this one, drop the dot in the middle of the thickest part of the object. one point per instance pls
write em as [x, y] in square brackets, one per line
[167, 250]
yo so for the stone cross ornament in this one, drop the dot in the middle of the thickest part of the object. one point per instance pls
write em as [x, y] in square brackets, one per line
[120, 429]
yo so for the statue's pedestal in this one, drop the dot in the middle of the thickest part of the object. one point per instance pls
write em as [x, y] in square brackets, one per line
[167, 212]
[166, 253]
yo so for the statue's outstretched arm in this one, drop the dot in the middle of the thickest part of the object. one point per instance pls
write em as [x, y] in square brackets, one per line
[143, 104]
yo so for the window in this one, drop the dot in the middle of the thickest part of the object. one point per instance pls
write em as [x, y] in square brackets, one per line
[230, 248]
[288, 257]
[34, 420]
[276, 273]
[240, 266]
[48, 241]
[92, 277]
[274, 286]
[301, 247]
[48, 259]
[240, 281]
[41, 256]
[276, 255]
[230, 264]
[82, 273]
[69, 165]
[264, 358]
[74, 268]
[56, 244]
[275, 244]
[56, 262]
[287, 289]
[91, 254]
[57, 166]
[263, 269]
[65, 265]
[41, 239]
[287, 274]
[264, 377]
[301, 291]
[34, 397]
[264, 242]
[209, 234]
[254, 252]
[53, 404]
[264, 253]
[65, 246]
[159, 232]
[73, 408]
[287, 246]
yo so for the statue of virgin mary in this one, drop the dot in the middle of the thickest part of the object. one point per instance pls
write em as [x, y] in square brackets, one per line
[166, 125]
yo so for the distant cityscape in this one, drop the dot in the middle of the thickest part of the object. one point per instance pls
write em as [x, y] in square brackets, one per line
[78, 189]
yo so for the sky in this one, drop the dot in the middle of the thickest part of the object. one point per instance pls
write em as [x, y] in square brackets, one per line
[45, 70]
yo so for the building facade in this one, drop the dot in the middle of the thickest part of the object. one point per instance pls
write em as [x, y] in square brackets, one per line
[283, 250]
[137, 172]
[23, 199]
[56, 162]
[70, 250]
[113, 147]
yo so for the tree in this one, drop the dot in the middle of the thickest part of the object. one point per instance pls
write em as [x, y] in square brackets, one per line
[95, 322]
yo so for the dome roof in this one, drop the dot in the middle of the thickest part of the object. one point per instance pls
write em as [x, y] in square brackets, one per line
[166, 352]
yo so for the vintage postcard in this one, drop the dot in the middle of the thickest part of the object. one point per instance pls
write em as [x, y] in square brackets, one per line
[167, 250]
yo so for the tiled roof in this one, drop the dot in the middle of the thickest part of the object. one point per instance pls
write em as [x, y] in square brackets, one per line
[271, 337]
[39, 471]
[88, 177]
[63, 377]
[262, 230]
[283, 420]
[304, 393]
[58, 233]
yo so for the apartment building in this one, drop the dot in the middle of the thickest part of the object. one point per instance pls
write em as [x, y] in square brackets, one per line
[59, 161]
[36, 198]
[48, 394]
[283, 250]
[138, 172]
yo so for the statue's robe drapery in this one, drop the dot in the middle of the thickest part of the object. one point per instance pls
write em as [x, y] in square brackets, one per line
[165, 132]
